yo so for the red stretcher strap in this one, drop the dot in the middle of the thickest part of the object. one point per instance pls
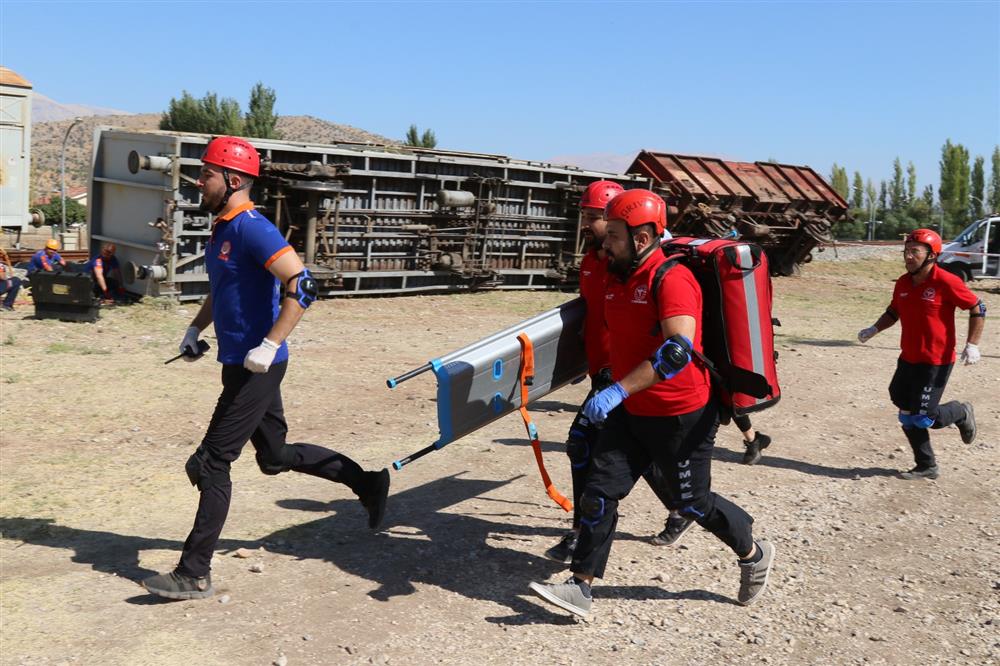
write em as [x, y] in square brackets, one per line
[526, 377]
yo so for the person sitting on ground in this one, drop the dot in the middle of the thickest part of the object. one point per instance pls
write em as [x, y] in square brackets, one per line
[107, 274]
[46, 258]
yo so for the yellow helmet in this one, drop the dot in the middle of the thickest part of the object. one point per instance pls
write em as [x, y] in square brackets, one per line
[52, 244]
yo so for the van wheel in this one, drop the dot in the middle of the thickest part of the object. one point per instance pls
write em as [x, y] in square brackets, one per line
[958, 269]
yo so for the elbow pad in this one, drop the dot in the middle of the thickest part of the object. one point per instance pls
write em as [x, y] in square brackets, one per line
[672, 356]
[892, 313]
[306, 289]
[978, 310]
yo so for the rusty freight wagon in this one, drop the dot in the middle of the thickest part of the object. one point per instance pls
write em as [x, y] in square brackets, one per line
[788, 210]
[371, 219]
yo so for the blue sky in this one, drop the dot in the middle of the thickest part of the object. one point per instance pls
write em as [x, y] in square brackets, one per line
[805, 83]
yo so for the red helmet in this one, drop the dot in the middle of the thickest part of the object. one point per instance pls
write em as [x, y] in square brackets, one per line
[638, 207]
[599, 193]
[230, 152]
[927, 237]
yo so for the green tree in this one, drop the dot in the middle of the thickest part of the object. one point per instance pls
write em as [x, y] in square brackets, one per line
[206, 115]
[858, 191]
[883, 198]
[994, 199]
[978, 185]
[414, 138]
[911, 182]
[75, 212]
[897, 192]
[954, 188]
[838, 180]
[261, 121]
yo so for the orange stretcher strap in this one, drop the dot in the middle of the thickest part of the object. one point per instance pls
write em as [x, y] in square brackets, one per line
[526, 378]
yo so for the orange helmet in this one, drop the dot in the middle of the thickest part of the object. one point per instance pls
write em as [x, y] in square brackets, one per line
[52, 244]
[927, 237]
[638, 207]
[230, 152]
[599, 193]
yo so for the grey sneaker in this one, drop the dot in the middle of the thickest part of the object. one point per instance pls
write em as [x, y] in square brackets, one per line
[675, 527]
[967, 426]
[568, 596]
[178, 586]
[754, 575]
[563, 551]
[920, 473]
[752, 455]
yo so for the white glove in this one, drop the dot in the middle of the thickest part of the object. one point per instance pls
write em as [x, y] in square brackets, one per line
[259, 359]
[970, 354]
[189, 347]
[866, 334]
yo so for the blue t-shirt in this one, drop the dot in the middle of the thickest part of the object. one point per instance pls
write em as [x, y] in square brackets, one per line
[107, 264]
[244, 292]
[39, 259]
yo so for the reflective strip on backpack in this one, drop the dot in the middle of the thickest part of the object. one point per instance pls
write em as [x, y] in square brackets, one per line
[745, 261]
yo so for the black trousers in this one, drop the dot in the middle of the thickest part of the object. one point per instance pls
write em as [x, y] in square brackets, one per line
[250, 409]
[917, 388]
[681, 446]
[580, 447]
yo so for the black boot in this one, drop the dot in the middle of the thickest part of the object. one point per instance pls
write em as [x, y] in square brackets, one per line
[752, 455]
[374, 494]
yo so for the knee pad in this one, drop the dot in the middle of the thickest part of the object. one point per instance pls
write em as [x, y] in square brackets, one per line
[592, 509]
[270, 465]
[199, 474]
[917, 421]
[694, 511]
[578, 449]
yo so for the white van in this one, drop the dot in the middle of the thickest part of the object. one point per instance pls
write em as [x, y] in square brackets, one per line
[975, 253]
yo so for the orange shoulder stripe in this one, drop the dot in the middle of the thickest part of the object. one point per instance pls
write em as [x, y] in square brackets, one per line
[274, 257]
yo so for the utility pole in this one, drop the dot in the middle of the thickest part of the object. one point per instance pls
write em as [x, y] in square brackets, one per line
[62, 168]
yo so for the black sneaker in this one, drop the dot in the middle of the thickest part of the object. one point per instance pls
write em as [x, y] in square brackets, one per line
[563, 551]
[918, 472]
[178, 586]
[675, 527]
[752, 455]
[967, 426]
[374, 496]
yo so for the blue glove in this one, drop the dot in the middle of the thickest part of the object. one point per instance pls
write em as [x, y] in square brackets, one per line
[597, 408]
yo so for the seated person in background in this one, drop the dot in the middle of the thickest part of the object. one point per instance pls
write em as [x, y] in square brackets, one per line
[9, 283]
[46, 258]
[107, 274]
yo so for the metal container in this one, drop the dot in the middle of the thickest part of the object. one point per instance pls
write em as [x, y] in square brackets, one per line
[15, 151]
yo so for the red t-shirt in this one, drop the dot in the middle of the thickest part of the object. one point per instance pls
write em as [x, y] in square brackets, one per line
[593, 283]
[927, 315]
[633, 319]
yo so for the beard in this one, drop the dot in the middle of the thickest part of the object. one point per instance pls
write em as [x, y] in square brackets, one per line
[592, 242]
[620, 267]
[207, 205]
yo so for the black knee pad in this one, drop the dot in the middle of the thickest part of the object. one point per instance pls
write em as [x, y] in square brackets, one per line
[592, 509]
[200, 473]
[271, 466]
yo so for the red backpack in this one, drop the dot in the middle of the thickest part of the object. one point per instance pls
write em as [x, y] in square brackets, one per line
[737, 328]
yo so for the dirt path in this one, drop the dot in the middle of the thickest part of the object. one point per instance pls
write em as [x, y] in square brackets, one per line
[95, 431]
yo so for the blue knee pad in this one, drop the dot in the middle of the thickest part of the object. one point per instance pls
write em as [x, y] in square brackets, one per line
[592, 510]
[915, 421]
[690, 512]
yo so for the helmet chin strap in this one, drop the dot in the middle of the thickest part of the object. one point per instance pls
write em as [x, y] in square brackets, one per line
[229, 191]
[637, 257]
[927, 260]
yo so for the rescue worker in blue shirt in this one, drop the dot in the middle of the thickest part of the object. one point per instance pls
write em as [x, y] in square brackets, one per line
[246, 257]
[46, 258]
[107, 274]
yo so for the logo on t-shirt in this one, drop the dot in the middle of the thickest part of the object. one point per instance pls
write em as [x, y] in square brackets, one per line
[929, 294]
[224, 252]
[639, 295]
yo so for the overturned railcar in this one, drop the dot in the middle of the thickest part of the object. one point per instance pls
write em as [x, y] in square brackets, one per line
[366, 219]
[787, 210]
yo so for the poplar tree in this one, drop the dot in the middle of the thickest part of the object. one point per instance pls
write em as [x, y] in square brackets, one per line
[978, 185]
[911, 182]
[897, 195]
[261, 121]
[838, 180]
[858, 191]
[953, 191]
[995, 181]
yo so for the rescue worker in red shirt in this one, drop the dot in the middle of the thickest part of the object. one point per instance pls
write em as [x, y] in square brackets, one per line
[660, 408]
[924, 302]
[246, 257]
[583, 433]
